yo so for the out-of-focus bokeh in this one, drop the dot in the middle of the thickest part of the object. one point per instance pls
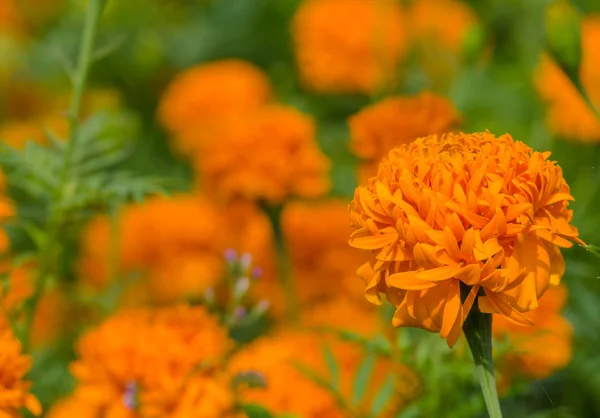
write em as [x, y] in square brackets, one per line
[198, 262]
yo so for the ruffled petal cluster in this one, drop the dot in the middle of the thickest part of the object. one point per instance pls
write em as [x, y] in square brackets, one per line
[568, 114]
[203, 98]
[379, 128]
[267, 156]
[449, 217]
[14, 365]
[348, 46]
[150, 363]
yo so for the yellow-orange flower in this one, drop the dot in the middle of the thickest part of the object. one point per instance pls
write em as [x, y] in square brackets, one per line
[568, 114]
[202, 98]
[269, 155]
[71, 407]
[6, 212]
[462, 210]
[523, 356]
[429, 23]
[14, 365]
[347, 46]
[150, 361]
[181, 254]
[375, 130]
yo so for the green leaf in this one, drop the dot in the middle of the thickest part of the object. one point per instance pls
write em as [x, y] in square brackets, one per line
[333, 367]
[256, 411]
[361, 380]
[383, 396]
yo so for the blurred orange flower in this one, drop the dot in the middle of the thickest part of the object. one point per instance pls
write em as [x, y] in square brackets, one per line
[144, 362]
[568, 114]
[523, 356]
[378, 128]
[181, 254]
[7, 211]
[202, 98]
[269, 155]
[462, 210]
[14, 390]
[429, 23]
[348, 46]
[10, 19]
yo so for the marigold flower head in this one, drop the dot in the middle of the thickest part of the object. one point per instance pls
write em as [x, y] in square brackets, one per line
[279, 358]
[348, 46]
[181, 254]
[14, 389]
[377, 129]
[462, 210]
[568, 114]
[523, 356]
[429, 23]
[269, 155]
[119, 371]
[204, 97]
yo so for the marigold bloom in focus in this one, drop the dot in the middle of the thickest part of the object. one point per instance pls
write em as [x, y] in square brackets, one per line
[207, 96]
[462, 210]
[377, 129]
[150, 361]
[348, 46]
[568, 114]
[269, 155]
[523, 356]
[14, 390]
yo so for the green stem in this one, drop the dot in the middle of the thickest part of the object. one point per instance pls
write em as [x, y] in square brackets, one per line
[49, 251]
[478, 330]
[284, 264]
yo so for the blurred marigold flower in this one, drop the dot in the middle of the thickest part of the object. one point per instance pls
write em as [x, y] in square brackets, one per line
[348, 46]
[267, 156]
[568, 114]
[14, 390]
[323, 265]
[7, 211]
[181, 254]
[200, 99]
[429, 23]
[377, 129]
[155, 362]
[462, 210]
[523, 356]
[283, 357]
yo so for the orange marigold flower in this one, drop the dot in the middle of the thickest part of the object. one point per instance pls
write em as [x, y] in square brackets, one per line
[269, 155]
[375, 130]
[429, 22]
[462, 210]
[7, 210]
[71, 407]
[279, 358]
[347, 46]
[14, 390]
[568, 113]
[523, 356]
[207, 96]
[181, 254]
[150, 361]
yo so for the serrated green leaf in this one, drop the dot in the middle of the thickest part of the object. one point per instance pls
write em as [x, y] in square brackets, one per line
[256, 411]
[332, 366]
[361, 379]
[383, 396]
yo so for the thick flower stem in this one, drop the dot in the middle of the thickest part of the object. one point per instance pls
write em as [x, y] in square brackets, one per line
[478, 330]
